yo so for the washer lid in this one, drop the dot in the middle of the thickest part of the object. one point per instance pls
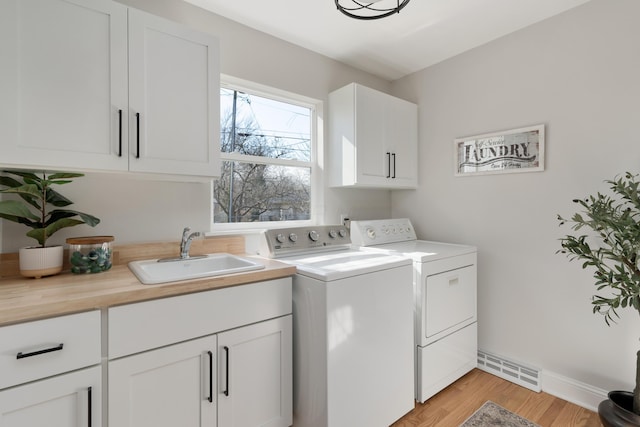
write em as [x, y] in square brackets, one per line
[335, 265]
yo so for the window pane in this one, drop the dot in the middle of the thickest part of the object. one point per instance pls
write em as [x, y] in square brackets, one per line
[264, 127]
[261, 193]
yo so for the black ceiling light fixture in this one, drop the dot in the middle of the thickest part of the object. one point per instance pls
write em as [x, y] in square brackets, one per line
[369, 9]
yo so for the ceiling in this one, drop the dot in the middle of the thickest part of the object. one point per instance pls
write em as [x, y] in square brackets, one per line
[424, 33]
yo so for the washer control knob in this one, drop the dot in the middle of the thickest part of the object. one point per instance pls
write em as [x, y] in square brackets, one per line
[342, 232]
[333, 234]
[313, 235]
[371, 233]
[293, 237]
[280, 238]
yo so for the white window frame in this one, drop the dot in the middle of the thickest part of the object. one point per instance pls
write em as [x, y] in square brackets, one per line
[317, 181]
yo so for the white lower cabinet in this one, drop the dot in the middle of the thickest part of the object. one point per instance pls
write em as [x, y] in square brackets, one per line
[246, 382]
[50, 373]
[168, 387]
[217, 358]
[69, 400]
[255, 376]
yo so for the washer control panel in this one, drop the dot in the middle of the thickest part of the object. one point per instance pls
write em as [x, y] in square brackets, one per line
[381, 231]
[290, 241]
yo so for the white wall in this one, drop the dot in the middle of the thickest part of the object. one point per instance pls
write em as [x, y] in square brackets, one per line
[139, 210]
[578, 74]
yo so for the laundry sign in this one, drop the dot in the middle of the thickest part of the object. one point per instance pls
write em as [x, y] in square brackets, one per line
[516, 150]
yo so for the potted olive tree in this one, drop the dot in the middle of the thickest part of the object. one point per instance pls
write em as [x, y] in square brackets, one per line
[33, 210]
[607, 241]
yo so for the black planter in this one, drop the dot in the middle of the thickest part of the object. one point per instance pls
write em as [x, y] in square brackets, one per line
[617, 411]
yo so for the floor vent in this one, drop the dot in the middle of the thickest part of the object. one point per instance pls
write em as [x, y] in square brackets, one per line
[512, 371]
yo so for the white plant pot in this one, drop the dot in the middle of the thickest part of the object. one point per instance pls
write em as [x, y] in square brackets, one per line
[39, 262]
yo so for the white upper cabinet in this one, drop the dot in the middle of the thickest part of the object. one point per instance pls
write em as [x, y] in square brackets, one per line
[173, 100]
[63, 77]
[94, 85]
[373, 139]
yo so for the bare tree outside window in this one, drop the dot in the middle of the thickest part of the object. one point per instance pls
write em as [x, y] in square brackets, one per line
[266, 153]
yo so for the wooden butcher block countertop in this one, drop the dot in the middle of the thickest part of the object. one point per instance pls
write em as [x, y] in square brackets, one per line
[24, 299]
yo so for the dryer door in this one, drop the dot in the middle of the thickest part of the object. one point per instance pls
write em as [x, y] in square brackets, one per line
[449, 296]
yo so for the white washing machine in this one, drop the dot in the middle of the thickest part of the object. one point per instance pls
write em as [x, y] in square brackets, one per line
[445, 288]
[352, 329]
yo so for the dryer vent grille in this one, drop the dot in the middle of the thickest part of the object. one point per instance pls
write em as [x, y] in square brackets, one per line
[512, 371]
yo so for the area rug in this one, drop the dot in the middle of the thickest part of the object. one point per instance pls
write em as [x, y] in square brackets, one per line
[491, 414]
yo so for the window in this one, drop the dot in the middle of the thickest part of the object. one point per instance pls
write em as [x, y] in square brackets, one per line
[268, 157]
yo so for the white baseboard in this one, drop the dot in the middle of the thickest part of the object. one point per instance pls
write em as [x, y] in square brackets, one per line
[572, 391]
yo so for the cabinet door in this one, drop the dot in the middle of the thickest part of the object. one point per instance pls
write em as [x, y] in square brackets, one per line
[374, 139]
[387, 140]
[401, 132]
[69, 400]
[168, 387]
[63, 80]
[173, 98]
[255, 375]
[374, 157]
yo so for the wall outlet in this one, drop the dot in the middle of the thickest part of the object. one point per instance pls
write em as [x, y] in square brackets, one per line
[344, 220]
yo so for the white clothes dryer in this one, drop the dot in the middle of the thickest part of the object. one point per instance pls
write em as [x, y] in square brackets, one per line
[445, 291]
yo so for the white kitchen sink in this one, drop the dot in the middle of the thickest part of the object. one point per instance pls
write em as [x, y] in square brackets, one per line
[153, 271]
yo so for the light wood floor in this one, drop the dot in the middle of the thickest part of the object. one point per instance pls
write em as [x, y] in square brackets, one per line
[453, 405]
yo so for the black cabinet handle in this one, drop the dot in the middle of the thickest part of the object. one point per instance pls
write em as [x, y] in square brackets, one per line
[394, 165]
[137, 135]
[119, 133]
[388, 164]
[22, 355]
[226, 387]
[210, 399]
[89, 407]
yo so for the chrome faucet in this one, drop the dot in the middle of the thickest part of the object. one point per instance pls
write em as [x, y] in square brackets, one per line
[185, 243]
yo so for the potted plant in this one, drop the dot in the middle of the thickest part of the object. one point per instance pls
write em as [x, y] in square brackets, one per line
[607, 240]
[37, 194]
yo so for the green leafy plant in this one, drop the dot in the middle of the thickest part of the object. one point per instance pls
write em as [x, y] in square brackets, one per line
[607, 240]
[37, 193]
